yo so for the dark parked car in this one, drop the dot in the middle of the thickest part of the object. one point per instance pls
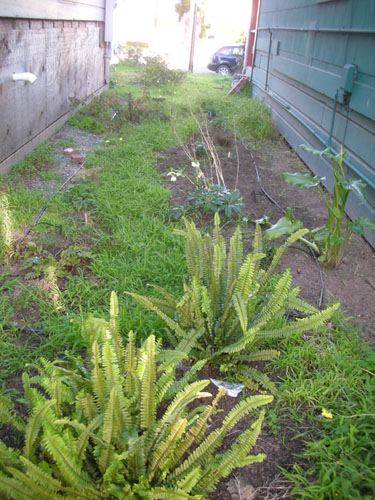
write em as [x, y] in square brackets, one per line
[227, 60]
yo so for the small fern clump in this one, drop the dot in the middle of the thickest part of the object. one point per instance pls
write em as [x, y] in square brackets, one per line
[232, 306]
[120, 427]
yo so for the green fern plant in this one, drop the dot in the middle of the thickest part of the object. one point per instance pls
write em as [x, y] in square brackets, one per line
[231, 305]
[111, 427]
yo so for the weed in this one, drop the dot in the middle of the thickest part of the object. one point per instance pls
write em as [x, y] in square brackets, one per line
[40, 159]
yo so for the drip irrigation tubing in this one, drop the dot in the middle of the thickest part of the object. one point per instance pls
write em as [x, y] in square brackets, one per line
[24, 329]
[267, 195]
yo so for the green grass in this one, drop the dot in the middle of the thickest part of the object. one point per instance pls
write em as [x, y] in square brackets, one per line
[332, 372]
[133, 246]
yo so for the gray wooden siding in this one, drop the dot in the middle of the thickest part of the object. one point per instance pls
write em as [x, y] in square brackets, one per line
[301, 50]
[69, 57]
[70, 10]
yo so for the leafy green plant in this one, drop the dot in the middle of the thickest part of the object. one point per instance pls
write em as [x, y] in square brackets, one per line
[231, 307]
[87, 123]
[155, 73]
[47, 265]
[38, 160]
[216, 199]
[80, 196]
[333, 238]
[107, 430]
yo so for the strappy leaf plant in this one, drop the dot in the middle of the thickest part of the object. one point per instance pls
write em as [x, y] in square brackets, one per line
[232, 306]
[109, 428]
[331, 240]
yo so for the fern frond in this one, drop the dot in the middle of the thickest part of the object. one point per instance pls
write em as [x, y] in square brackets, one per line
[86, 433]
[170, 357]
[301, 325]
[66, 460]
[169, 494]
[8, 415]
[130, 365]
[196, 433]
[234, 257]
[257, 240]
[110, 430]
[208, 446]
[165, 448]
[148, 398]
[276, 302]
[40, 476]
[110, 365]
[297, 304]
[189, 341]
[93, 330]
[207, 310]
[144, 301]
[8, 457]
[249, 375]
[245, 339]
[182, 382]
[246, 276]
[167, 296]
[34, 425]
[280, 252]
[175, 408]
[17, 490]
[97, 377]
[163, 384]
[240, 306]
[188, 482]
[88, 406]
[115, 332]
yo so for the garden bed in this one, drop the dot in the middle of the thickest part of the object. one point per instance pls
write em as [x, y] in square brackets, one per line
[352, 284]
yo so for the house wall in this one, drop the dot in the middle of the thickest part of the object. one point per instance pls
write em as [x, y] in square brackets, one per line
[302, 51]
[64, 44]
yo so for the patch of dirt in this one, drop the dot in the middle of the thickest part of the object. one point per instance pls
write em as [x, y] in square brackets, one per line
[352, 284]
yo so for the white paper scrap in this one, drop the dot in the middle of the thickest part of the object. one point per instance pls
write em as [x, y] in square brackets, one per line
[232, 389]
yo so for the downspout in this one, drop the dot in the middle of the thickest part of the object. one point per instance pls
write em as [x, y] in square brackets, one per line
[268, 59]
[255, 41]
[108, 35]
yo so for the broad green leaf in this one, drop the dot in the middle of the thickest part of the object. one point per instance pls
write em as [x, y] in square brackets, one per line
[303, 181]
[285, 225]
[358, 188]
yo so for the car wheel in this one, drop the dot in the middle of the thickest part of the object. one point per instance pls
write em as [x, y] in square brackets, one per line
[223, 69]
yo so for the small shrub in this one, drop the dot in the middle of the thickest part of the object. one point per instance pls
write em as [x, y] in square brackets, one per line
[156, 73]
[120, 427]
[133, 52]
[231, 306]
